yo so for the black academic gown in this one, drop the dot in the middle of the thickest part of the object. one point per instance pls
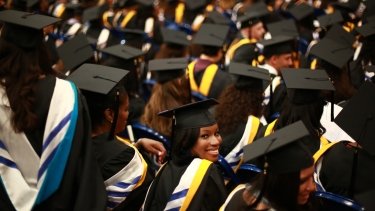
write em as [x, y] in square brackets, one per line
[230, 140]
[220, 81]
[82, 186]
[210, 195]
[112, 156]
[336, 172]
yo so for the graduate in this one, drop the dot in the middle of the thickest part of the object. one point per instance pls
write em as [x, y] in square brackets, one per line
[190, 180]
[46, 154]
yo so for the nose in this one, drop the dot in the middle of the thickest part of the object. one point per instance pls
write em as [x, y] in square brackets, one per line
[215, 140]
[311, 185]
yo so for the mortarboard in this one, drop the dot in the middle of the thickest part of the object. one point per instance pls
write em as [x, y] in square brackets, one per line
[97, 79]
[249, 76]
[253, 14]
[338, 34]
[195, 4]
[133, 37]
[283, 28]
[167, 69]
[192, 115]
[332, 52]
[75, 51]
[216, 17]
[122, 51]
[358, 117]
[367, 29]
[24, 29]
[301, 11]
[349, 5]
[277, 45]
[325, 21]
[93, 13]
[304, 85]
[175, 37]
[211, 35]
[283, 149]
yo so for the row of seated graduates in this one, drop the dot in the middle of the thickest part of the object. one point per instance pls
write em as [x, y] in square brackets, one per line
[363, 62]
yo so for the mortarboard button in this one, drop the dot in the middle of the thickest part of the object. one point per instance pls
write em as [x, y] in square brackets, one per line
[283, 28]
[358, 117]
[24, 29]
[332, 52]
[193, 115]
[97, 79]
[211, 35]
[168, 69]
[283, 149]
[75, 52]
[174, 37]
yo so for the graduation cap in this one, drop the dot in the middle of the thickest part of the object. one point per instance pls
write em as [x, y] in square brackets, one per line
[283, 149]
[93, 13]
[215, 17]
[193, 115]
[195, 4]
[175, 37]
[301, 11]
[24, 29]
[332, 52]
[326, 21]
[211, 35]
[98, 81]
[283, 28]
[253, 14]
[276, 46]
[122, 51]
[349, 5]
[75, 51]
[304, 85]
[132, 37]
[338, 34]
[249, 76]
[168, 69]
[358, 117]
[366, 30]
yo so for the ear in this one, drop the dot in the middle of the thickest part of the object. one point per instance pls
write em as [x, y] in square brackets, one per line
[108, 115]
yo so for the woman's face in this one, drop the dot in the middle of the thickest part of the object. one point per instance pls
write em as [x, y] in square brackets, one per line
[307, 185]
[208, 143]
[123, 114]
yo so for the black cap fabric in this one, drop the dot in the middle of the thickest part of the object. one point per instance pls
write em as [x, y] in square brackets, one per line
[284, 151]
[338, 34]
[326, 21]
[253, 14]
[211, 35]
[303, 85]
[93, 13]
[358, 117]
[132, 37]
[332, 52]
[247, 71]
[301, 11]
[277, 45]
[168, 69]
[24, 29]
[174, 37]
[195, 4]
[75, 52]
[123, 51]
[193, 115]
[366, 199]
[214, 17]
[98, 79]
[283, 28]
[366, 30]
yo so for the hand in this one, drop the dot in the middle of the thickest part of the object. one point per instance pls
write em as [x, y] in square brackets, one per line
[153, 147]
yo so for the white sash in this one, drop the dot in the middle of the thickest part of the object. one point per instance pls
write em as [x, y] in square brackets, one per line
[234, 157]
[126, 180]
[27, 178]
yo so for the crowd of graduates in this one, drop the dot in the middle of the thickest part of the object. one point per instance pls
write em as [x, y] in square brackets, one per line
[187, 105]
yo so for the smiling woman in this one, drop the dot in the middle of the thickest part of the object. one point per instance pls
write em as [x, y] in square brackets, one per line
[185, 181]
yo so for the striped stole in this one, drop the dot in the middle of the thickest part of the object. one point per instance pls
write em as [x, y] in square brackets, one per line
[188, 185]
[27, 178]
[207, 79]
[234, 157]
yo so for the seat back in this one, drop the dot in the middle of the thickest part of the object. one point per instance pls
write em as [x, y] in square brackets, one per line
[335, 202]
[227, 170]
